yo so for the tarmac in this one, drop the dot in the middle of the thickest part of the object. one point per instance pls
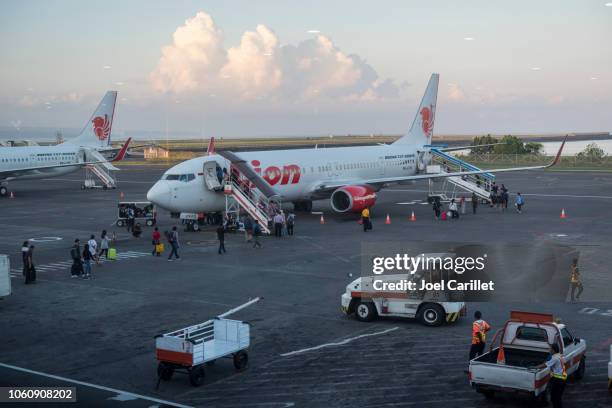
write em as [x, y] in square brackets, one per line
[98, 334]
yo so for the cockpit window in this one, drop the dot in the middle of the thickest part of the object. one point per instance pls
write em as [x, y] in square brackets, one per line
[180, 177]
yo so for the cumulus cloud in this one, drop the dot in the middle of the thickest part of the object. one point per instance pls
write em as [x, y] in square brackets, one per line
[194, 58]
[258, 66]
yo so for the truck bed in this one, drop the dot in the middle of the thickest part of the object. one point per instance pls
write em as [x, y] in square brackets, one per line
[515, 357]
[516, 375]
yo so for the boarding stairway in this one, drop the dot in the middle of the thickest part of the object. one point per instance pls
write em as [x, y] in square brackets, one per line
[101, 171]
[479, 184]
[239, 196]
[245, 189]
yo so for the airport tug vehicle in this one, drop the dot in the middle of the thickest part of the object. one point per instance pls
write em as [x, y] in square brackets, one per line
[194, 346]
[524, 344]
[430, 307]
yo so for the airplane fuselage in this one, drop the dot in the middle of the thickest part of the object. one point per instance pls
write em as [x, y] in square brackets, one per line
[294, 174]
[25, 157]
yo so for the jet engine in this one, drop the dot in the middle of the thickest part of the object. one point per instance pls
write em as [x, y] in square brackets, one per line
[352, 198]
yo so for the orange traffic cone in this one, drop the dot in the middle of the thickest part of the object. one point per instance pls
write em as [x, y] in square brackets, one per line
[563, 213]
[501, 355]
[412, 217]
[388, 220]
[12, 195]
[322, 220]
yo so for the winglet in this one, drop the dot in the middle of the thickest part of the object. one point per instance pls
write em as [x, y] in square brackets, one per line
[558, 156]
[211, 146]
[122, 152]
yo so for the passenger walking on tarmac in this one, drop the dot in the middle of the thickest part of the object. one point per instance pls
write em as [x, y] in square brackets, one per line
[437, 207]
[556, 365]
[290, 223]
[87, 262]
[504, 199]
[156, 240]
[278, 225]
[256, 234]
[494, 195]
[452, 207]
[24, 257]
[104, 245]
[575, 281]
[30, 276]
[474, 203]
[173, 239]
[365, 219]
[520, 201]
[130, 218]
[221, 238]
[248, 229]
[76, 270]
[479, 335]
[92, 245]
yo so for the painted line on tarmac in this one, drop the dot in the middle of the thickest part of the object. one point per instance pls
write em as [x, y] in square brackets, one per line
[339, 343]
[119, 393]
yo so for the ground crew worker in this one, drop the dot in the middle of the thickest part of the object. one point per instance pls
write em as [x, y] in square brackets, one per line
[479, 335]
[575, 280]
[365, 219]
[556, 364]
[474, 203]
[221, 238]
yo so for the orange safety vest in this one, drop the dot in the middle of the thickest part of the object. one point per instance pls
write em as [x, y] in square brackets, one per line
[479, 326]
[574, 277]
[365, 213]
[563, 375]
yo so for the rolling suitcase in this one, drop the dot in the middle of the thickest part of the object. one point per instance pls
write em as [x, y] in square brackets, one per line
[112, 254]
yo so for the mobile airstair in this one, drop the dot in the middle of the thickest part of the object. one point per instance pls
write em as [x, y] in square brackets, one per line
[244, 190]
[99, 175]
[449, 187]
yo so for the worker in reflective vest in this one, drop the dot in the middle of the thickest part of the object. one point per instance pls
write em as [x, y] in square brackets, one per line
[558, 374]
[479, 335]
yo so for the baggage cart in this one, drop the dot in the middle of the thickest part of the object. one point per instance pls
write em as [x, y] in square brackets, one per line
[192, 347]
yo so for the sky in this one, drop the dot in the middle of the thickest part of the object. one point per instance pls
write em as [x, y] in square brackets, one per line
[240, 68]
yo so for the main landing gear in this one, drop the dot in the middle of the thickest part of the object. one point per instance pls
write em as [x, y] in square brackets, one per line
[303, 205]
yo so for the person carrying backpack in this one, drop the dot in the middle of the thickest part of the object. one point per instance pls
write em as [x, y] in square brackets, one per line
[256, 234]
[290, 223]
[87, 257]
[520, 201]
[173, 240]
[76, 270]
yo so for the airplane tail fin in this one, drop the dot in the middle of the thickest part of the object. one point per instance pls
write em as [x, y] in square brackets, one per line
[422, 127]
[211, 146]
[97, 131]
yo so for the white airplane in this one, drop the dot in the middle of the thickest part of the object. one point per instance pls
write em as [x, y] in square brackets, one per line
[37, 162]
[348, 176]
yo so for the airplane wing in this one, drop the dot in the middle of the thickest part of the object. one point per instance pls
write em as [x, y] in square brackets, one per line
[384, 180]
[11, 173]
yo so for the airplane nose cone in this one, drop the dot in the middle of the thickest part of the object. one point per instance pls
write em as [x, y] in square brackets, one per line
[160, 195]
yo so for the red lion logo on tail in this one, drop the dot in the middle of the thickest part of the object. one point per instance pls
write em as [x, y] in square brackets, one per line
[101, 127]
[427, 119]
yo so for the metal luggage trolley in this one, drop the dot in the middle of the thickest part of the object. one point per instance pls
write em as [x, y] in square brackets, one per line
[192, 347]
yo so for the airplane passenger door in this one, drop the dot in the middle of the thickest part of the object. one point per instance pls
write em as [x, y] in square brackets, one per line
[210, 175]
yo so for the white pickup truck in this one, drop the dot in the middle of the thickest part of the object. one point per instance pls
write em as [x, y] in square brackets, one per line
[526, 339]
